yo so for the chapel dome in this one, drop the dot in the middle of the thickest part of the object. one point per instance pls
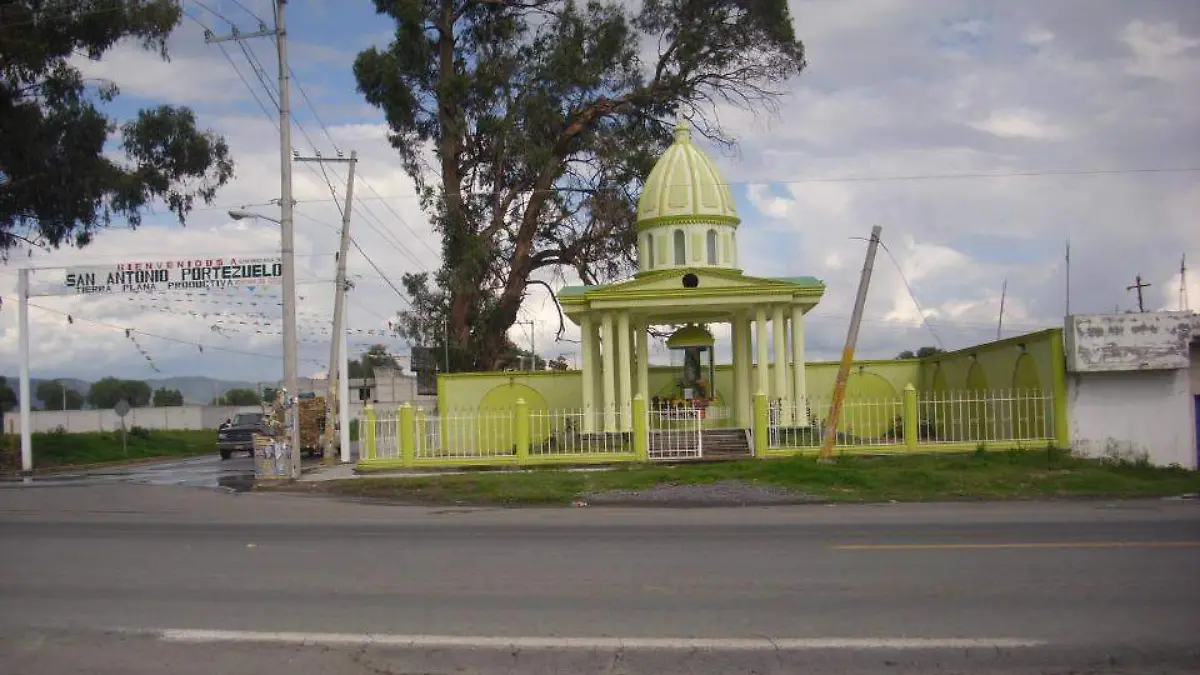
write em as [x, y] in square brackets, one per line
[685, 186]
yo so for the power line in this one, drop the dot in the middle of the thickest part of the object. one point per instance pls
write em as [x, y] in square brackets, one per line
[202, 346]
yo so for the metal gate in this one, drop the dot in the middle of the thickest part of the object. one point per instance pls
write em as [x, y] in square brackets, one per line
[675, 433]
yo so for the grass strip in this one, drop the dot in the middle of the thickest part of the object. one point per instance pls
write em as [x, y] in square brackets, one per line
[58, 450]
[1033, 474]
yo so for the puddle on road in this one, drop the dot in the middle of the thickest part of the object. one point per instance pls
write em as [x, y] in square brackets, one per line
[237, 482]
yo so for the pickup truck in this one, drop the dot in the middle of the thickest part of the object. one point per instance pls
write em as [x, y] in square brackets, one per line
[238, 435]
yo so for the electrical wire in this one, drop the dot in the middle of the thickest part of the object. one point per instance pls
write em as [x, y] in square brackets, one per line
[202, 346]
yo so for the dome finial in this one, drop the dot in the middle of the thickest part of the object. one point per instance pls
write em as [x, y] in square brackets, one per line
[683, 131]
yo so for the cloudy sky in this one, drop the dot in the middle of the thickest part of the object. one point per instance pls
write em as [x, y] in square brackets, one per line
[980, 135]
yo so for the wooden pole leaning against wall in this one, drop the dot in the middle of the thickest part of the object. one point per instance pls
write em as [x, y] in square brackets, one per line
[839, 385]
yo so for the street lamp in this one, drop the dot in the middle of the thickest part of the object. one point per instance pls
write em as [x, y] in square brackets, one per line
[290, 376]
[239, 214]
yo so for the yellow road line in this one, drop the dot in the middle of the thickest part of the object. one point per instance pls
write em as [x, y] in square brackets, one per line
[1030, 544]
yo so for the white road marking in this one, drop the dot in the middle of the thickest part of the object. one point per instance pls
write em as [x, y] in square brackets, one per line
[585, 643]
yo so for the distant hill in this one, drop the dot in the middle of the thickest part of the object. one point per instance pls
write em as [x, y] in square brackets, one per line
[198, 390]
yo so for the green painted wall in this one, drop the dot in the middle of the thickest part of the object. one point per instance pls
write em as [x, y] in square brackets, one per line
[563, 390]
[1022, 367]
[998, 364]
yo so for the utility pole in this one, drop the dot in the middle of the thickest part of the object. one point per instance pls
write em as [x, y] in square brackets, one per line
[287, 246]
[337, 369]
[1000, 323]
[1183, 294]
[26, 396]
[839, 386]
[1138, 286]
[1068, 276]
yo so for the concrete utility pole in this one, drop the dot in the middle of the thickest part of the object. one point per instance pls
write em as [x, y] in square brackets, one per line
[26, 396]
[1000, 321]
[287, 247]
[1138, 286]
[337, 355]
[839, 385]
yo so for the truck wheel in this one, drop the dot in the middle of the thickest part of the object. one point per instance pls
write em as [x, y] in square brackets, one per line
[225, 454]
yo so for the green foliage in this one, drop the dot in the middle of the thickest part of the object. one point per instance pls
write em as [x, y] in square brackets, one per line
[377, 356]
[923, 352]
[57, 182]
[8, 397]
[239, 397]
[105, 393]
[164, 397]
[545, 118]
[54, 394]
[60, 449]
[269, 394]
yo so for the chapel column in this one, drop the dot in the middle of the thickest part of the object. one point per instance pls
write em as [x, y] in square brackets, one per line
[624, 372]
[642, 345]
[780, 348]
[735, 351]
[761, 337]
[608, 344]
[746, 355]
[799, 385]
[587, 329]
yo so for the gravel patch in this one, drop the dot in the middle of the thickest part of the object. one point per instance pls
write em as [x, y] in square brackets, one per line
[722, 493]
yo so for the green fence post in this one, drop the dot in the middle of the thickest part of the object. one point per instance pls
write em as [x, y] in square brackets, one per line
[407, 431]
[911, 417]
[369, 436]
[641, 435]
[521, 430]
[761, 423]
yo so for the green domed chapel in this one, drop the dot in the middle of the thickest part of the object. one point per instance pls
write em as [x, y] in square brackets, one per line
[689, 277]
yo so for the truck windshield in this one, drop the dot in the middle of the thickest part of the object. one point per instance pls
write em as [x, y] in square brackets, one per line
[245, 419]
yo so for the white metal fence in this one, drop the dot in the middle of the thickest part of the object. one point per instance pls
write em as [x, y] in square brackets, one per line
[565, 432]
[862, 421]
[985, 416]
[955, 417]
[676, 433]
[465, 434]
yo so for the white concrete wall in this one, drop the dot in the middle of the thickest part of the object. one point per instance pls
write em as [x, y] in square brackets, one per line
[1131, 414]
[82, 421]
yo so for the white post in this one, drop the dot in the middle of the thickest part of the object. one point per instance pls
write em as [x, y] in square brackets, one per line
[587, 328]
[26, 396]
[624, 372]
[287, 247]
[799, 387]
[607, 374]
[761, 333]
[746, 356]
[335, 372]
[344, 394]
[641, 340]
[780, 349]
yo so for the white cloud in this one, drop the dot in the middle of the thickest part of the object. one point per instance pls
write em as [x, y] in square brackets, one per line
[1160, 50]
[1019, 124]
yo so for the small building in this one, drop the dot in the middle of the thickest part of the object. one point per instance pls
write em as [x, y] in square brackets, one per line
[1133, 386]
[689, 277]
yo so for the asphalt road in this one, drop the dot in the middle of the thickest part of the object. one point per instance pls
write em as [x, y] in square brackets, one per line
[235, 473]
[136, 578]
